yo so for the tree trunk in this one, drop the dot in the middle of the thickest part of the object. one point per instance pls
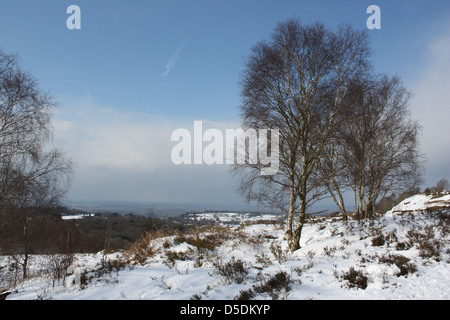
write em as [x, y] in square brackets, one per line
[291, 211]
[361, 206]
[25, 252]
[338, 199]
[294, 239]
[24, 267]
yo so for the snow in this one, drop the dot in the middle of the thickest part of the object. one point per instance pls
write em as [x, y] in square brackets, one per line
[422, 202]
[330, 247]
[232, 217]
[76, 216]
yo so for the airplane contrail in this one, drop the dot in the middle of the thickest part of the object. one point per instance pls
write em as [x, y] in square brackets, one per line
[176, 56]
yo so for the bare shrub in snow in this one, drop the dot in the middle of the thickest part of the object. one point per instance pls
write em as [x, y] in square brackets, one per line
[274, 287]
[233, 271]
[355, 278]
[57, 265]
[278, 252]
[405, 267]
[145, 247]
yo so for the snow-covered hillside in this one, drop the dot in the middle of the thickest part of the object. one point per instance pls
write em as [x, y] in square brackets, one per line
[403, 254]
[422, 202]
[232, 218]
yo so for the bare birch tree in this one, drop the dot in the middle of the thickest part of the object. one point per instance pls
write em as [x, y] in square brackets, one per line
[33, 176]
[297, 82]
[379, 148]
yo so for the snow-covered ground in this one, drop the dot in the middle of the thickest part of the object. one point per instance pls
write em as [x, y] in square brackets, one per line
[422, 202]
[404, 254]
[232, 217]
[77, 216]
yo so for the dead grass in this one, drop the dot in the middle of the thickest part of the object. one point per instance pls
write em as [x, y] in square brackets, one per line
[145, 247]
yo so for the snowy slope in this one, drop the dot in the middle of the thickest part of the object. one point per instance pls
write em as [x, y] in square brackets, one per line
[422, 202]
[401, 255]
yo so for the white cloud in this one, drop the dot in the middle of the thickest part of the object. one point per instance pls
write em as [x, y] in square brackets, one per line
[110, 140]
[126, 156]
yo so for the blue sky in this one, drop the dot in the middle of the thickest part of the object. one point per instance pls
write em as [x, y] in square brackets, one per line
[139, 69]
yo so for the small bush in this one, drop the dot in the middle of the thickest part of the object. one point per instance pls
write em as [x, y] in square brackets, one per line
[145, 247]
[279, 254]
[245, 295]
[274, 286]
[103, 271]
[56, 266]
[401, 262]
[179, 240]
[111, 265]
[379, 240]
[355, 278]
[172, 256]
[401, 246]
[263, 259]
[202, 243]
[430, 249]
[208, 238]
[233, 271]
[329, 251]
[391, 238]
[428, 246]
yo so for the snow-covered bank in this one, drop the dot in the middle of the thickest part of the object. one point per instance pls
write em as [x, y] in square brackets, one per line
[422, 202]
[404, 254]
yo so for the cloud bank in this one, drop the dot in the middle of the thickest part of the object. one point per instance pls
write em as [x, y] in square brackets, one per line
[126, 156]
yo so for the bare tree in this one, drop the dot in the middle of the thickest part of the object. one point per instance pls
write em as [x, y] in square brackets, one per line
[33, 176]
[442, 185]
[332, 170]
[296, 83]
[378, 145]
